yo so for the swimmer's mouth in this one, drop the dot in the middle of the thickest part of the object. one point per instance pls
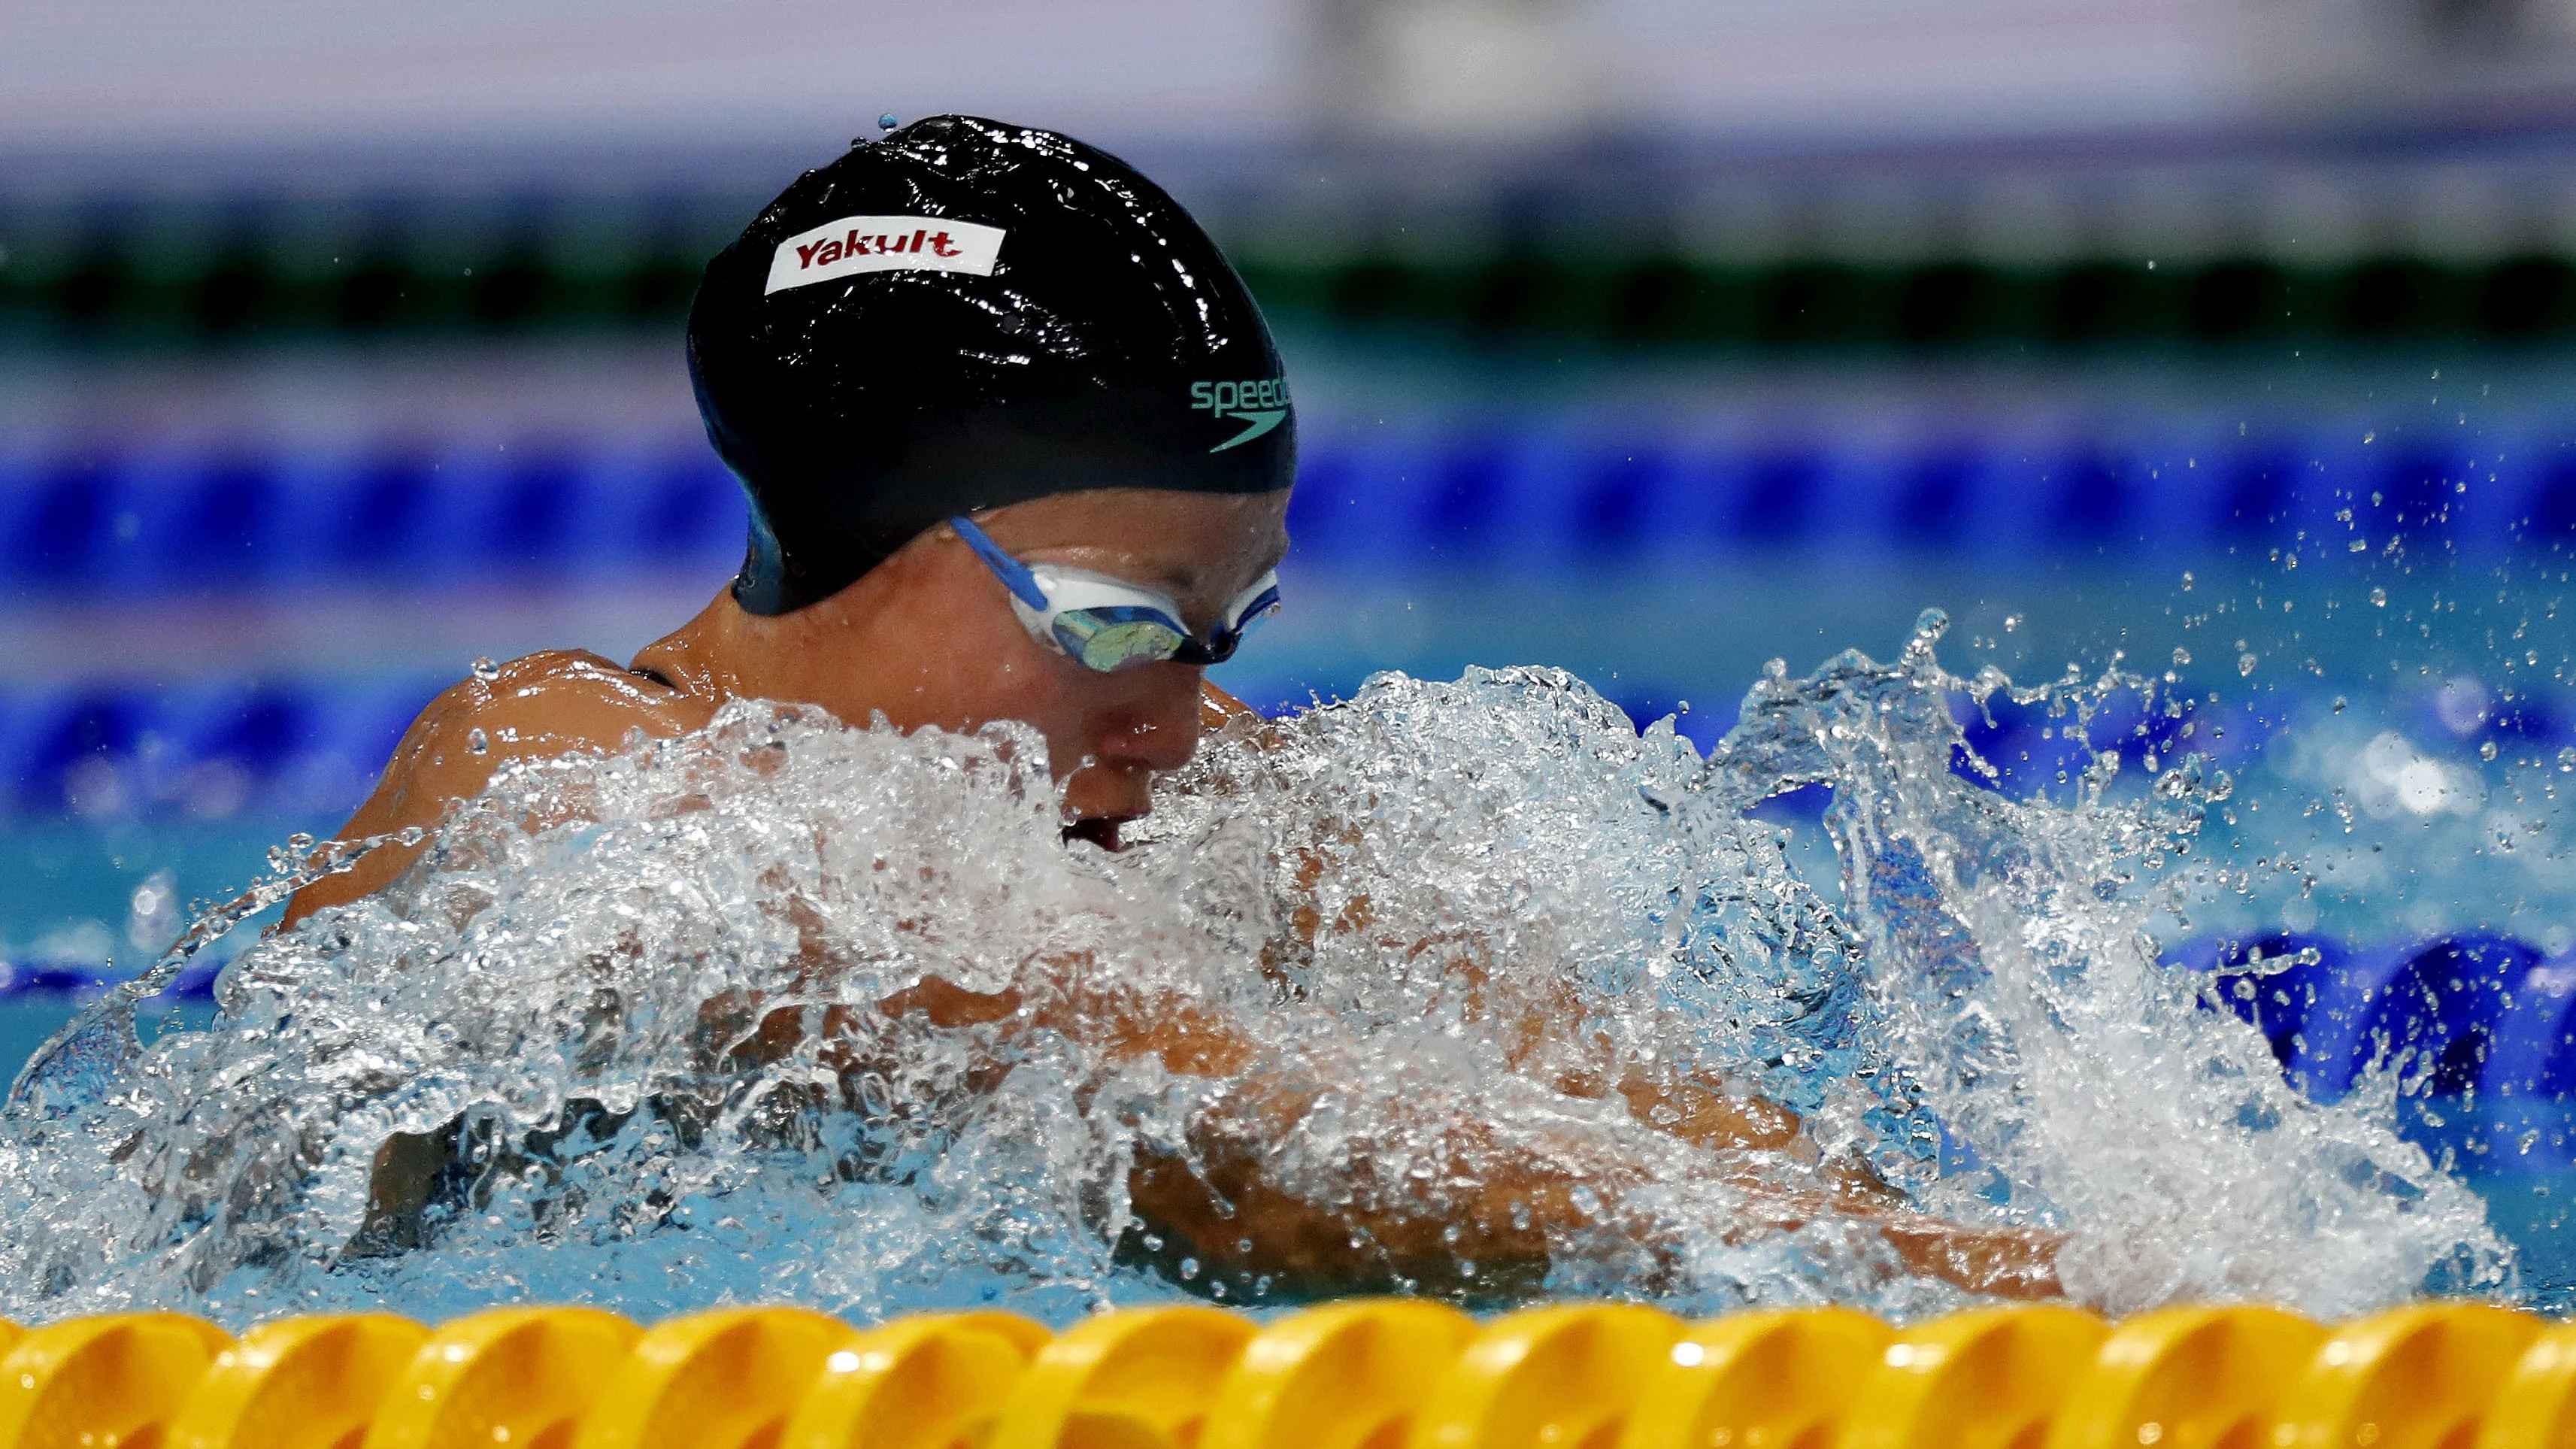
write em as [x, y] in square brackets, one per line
[1100, 830]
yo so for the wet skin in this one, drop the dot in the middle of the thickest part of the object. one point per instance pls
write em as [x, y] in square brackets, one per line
[928, 638]
[925, 638]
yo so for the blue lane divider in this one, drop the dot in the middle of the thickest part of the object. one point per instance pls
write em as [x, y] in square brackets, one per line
[2441, 1005]
[1566, 492]
[1569, 493]
[2479, 1028]
[292, 748]
[98, 521]
[2529, 1087]
[2032, 748]
[71, 982]
[2254, 982]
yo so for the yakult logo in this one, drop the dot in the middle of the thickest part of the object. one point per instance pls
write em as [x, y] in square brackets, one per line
[856, 244]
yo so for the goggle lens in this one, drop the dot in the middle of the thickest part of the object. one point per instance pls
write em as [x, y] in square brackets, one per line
[1111, 639]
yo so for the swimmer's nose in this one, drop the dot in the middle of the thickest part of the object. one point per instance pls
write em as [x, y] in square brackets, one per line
[1160, 730]
[1153, 728]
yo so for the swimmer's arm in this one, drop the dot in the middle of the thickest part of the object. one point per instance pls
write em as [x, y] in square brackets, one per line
[1486, 1229]
[1695, 1109]
[1492, 1234]
[540, 707]
[1224, 1198]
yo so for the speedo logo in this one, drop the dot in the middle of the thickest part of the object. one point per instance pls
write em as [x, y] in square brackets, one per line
[1260, 403]
[856, 244]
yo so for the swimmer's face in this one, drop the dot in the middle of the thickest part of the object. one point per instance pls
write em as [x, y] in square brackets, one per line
[928, 637]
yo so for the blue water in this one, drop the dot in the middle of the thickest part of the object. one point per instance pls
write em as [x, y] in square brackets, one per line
[279, 603]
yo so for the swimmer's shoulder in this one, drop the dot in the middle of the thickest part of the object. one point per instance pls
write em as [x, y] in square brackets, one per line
[561, 700]
[542, 706]
[1217, 708]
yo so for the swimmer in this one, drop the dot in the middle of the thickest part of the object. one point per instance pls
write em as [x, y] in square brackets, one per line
[1018, 446]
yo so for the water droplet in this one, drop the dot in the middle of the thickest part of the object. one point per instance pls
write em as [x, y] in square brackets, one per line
[2340, 704]
[2567, 760]
[2244, 664]
[2379, 598]
[477, 742]
[2487, 751]
[2186, 581]
[2182, 656]
[486, 670]
[897, 804]
[887, 122]
[299, 841]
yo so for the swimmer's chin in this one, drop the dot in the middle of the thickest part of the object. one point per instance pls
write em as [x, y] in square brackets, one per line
[1099, 830]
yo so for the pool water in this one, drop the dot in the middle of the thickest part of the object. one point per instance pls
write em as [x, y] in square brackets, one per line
[1983, 1021]
[2347, 600]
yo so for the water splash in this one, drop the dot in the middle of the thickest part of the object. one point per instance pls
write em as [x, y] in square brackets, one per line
[84, 1058]
[2009, 954]
[1437, 988]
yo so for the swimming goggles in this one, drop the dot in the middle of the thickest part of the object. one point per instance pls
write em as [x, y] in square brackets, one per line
[1106, 624]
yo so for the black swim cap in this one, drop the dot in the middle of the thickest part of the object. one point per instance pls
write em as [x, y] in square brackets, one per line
[962, 315]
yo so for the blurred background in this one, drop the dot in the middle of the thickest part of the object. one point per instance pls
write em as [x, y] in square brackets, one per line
[2227, 340]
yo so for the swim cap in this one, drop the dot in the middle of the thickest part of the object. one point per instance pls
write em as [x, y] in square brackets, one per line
[963, 315]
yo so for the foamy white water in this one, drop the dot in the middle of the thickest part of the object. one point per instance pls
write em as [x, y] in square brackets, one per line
[636, 1056]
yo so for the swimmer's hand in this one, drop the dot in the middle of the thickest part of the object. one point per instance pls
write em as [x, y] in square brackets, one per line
[1997, 1262]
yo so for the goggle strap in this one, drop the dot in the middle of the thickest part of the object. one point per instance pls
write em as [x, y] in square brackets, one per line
[1262, 603]
[1014, 574]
